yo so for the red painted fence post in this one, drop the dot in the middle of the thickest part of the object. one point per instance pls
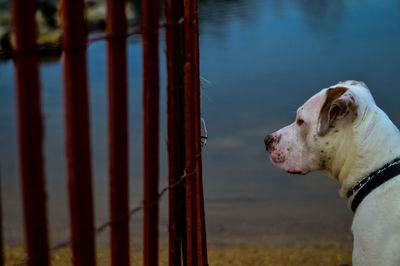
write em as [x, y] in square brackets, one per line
[201, 220]
[151, 98]
[118, 131]
[190, 149]
[196, 236]
[176, 128]
[77, 132]
[30, 128]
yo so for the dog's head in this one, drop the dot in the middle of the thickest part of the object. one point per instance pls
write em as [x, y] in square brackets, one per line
[322, 124]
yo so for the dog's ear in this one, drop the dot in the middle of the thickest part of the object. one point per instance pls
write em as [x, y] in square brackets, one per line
[338, 104]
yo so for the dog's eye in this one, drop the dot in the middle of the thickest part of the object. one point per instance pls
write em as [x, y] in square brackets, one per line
[299, 122]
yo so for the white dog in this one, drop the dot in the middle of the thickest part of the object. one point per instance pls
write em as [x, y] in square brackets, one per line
[341, 132]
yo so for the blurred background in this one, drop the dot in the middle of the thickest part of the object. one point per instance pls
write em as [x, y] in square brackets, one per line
[260, 60]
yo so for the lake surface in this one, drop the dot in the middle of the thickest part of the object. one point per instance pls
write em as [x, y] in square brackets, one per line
[261, 60]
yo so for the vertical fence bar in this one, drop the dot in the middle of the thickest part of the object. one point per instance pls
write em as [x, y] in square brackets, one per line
[176, 144]
[151, 95]
[77, 132]
[202, 241]
[30, 128]
[197, 247]
[190, 134]
[118, 131]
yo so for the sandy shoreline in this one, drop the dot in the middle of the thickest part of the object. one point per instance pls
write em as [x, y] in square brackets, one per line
[324, 253]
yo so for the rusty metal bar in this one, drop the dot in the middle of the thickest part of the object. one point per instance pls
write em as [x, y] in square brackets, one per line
[151, 95]
[176, 129]
[201, 224]
[201, 221]
[77, 132]
[118, 131]
[197, 247]
[190, 134]
[30, 129]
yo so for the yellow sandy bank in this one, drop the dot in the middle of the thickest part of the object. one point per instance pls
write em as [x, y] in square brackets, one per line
[304, 254]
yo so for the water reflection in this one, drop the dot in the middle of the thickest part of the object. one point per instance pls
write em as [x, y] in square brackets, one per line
[263, 59]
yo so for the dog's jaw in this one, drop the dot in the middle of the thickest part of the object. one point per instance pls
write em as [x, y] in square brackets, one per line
[278, 162]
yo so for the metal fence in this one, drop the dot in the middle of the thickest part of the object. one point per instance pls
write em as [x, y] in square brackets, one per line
[187, 238]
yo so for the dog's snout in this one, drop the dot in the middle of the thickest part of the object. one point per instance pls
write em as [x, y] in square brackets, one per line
[268, 140]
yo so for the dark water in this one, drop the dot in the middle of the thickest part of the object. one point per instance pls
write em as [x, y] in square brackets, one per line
[262, 59]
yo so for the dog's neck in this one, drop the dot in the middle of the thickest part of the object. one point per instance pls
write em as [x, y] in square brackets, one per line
[378, 143]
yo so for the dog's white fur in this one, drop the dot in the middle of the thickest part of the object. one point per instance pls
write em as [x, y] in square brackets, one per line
[360, 139]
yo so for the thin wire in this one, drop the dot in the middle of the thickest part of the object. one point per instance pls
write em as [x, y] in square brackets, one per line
[205, 137]
[57, 46]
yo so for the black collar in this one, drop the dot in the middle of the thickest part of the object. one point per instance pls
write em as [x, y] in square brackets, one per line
[372, 181]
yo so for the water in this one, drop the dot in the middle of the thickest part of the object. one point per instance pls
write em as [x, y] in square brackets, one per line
[263, 59]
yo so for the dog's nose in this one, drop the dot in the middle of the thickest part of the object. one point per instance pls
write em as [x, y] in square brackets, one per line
[268, 139]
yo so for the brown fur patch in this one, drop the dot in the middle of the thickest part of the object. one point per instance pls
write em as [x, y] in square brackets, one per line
[354, 107]
[354, 82]
[331, 95]
[359, 83]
